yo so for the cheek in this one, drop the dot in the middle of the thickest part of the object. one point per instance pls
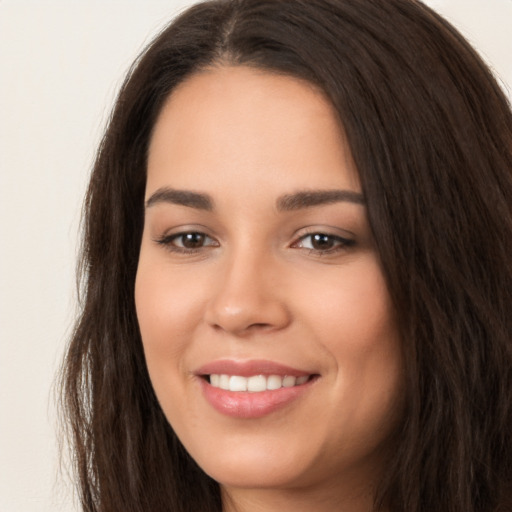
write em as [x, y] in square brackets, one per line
[356, 325]
[168, 311]
[168, 306]
[353, 311]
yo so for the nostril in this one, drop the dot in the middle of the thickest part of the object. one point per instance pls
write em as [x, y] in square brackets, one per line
[259, 326]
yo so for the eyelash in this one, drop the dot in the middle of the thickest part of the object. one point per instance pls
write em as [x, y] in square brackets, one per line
[168, 242]
[341, 243]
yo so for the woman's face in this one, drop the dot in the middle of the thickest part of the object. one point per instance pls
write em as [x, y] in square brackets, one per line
[267, 326]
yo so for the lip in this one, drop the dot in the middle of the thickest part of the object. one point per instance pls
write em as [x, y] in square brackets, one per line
[248, 368]
[244, 404]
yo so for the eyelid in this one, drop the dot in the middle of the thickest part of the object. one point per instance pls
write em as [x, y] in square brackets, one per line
[177, 236]
[160, 232]
[167, 238]
[342, 243]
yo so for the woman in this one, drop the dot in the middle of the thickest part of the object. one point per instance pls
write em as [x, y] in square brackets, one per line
[296, 267]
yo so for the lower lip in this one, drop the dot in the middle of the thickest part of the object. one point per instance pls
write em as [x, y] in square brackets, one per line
[246, 405]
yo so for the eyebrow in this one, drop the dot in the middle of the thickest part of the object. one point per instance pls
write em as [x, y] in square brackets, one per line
[287, 202]
[310, 198]
[181, 197]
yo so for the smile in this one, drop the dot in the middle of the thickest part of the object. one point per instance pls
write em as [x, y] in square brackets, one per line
[256, 383]
[252, 389]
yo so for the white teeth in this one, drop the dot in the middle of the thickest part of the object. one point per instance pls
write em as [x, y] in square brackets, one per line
[302, 380]
[274, 382]
[289, 381]
[237, 383]
[255, 383]
[224, 381]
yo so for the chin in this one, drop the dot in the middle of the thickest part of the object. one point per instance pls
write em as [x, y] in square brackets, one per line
[258, 462]
[250, 474]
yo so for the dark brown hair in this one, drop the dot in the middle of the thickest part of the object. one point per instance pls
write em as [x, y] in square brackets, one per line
[431, 135]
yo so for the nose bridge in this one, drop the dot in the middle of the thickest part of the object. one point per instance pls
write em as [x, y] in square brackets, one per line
[246, 297]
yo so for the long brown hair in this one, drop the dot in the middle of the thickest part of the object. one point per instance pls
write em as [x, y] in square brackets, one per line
[431, 135]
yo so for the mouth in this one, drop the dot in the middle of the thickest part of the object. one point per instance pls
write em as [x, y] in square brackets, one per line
[253, 389]
[255, 383]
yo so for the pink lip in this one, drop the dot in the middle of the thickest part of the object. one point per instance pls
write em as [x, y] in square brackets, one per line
[247, 405]
[248, 368]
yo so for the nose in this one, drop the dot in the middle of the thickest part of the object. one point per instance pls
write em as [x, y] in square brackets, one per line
[247, 298]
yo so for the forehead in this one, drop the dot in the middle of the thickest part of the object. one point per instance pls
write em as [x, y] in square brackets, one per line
[228, 121]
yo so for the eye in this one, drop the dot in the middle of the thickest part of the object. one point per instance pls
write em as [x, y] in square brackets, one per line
[323, 242]
[190, 241]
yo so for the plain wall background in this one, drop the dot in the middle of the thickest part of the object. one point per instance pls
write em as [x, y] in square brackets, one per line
[61, 63]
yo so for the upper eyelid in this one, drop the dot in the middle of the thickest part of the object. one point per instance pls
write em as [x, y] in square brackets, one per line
[178, 234]
[307, 231]
[184, 229]
[340, 238]
[168, 243]
[324, 230]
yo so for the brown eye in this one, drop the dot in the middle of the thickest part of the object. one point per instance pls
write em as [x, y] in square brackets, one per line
[323, 243]
[191, 240]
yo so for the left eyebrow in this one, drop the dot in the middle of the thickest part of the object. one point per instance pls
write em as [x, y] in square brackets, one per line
[310, 198]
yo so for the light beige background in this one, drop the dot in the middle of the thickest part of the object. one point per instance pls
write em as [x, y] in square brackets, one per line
[60, 66]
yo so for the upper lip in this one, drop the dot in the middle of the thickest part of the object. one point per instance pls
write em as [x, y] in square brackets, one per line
[249, 367]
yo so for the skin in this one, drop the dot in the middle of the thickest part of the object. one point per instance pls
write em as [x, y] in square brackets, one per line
[258, 287]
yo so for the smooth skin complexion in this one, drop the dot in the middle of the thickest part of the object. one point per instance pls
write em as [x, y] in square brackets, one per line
[257, 260]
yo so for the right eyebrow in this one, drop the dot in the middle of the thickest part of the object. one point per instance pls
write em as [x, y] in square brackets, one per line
[181, 197]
